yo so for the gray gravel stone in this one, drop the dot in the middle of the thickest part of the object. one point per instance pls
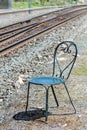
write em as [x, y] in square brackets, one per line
[32, 60]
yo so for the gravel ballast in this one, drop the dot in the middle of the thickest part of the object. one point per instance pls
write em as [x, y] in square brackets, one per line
[35, 59]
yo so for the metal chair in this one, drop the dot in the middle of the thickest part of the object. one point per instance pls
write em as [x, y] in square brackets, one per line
[66, 49]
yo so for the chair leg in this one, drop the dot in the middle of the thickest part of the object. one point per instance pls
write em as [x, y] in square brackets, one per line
[27, 97]
[70, 98]
[46, 104]
[54, 96]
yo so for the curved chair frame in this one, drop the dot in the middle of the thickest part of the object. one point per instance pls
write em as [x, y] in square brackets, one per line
[66, 48]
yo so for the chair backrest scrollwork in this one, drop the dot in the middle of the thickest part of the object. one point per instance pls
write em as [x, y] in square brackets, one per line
[65, 55]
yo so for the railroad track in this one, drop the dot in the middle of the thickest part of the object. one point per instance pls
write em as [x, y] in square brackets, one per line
[18, 33]
[37, 18]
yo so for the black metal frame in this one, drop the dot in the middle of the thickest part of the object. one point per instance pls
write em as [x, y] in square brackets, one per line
[66, 48]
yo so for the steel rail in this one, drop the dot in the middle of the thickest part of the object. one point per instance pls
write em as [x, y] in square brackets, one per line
[37, 33]
[36, 24]
[14, 29]
[19, 31]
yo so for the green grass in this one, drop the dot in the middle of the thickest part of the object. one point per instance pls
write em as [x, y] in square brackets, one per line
[20, 5]
[24, 5]
[81, 69]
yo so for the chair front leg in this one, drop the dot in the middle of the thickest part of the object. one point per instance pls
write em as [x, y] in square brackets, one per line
[54, 95]
[46, 104]
[27, 97]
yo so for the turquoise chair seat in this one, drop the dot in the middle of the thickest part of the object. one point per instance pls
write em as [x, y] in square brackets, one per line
[46, 80]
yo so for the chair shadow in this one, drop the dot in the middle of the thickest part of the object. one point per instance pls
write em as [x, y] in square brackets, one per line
[29, 115]
[36, 114]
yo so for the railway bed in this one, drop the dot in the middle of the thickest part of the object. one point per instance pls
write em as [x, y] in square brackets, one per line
[37, 26]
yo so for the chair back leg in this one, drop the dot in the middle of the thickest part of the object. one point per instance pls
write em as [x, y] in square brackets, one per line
[70, 98]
